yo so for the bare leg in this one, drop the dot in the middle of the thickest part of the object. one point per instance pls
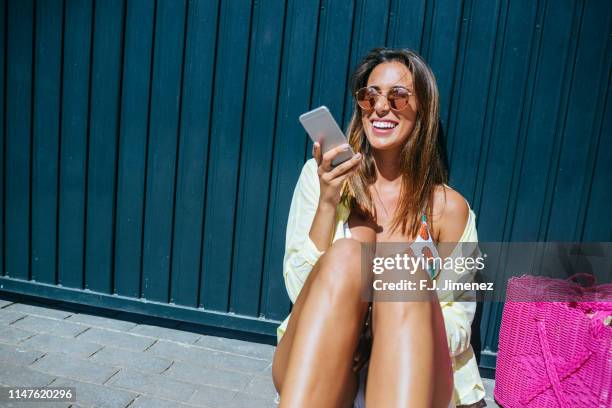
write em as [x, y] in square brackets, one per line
[410, 363]
[313, 362]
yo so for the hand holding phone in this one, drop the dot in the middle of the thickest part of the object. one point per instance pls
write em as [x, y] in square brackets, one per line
[334, 156]
[321, 127]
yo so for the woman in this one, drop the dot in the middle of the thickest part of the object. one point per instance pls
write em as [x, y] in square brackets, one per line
[392, 190]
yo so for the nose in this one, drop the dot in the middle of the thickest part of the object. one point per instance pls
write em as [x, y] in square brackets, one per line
[382, 105]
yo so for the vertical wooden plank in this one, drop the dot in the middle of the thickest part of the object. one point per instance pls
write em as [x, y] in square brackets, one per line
[333, 57]
[443, 46]
[195, 123]
[18, 137]
[471, 108]
[3, 29]
[47, 88]
[161, 159]
[508, 115]
[598, 220]
[135, 102]
[559, 28]
[406, 22]
[586, 101]
[489, 329]
[256, 153]
[288, 156]
[368, 30]
[73, 149]
[223, 164]
[103, 126]
[595, 219]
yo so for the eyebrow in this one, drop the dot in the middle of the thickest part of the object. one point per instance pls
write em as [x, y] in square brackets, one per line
[392, 86]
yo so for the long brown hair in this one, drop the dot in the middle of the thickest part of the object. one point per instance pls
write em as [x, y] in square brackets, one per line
[421, 166]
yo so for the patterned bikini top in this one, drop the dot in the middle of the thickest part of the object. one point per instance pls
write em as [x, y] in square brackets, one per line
[423, 244]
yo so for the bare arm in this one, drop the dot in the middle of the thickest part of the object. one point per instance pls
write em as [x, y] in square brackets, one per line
[330, 182]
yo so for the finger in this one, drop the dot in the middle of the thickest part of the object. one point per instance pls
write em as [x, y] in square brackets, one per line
[340, 179]
[316, 152]
[331, 154]
[345, 166]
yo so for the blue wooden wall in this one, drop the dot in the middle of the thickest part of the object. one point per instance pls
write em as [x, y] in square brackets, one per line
[150, 148]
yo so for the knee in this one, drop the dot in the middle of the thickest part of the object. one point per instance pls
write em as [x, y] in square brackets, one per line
[341, 271]
[398, 314]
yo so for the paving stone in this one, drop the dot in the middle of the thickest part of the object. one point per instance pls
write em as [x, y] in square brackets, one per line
[207, 357]
[65, 345]
[192, 373]
[263, 351]
[227, 361]
[4, 303]
[63, 365]
[153, 384]
[117, 339]
[150, 402]
[18, 376]
[94, 395]
[491, 403]
[23, 404]
[166, 333]
[137, 361]
[212, 396]
[267, 372]
[90, 310]
[489, 385]
[57, 327]
[99, 321]
[172, 350]
[147, 319]
[39, 310]
[16, 355]
[262, 387]
[13, 335]
[248, 401]
[7, 317]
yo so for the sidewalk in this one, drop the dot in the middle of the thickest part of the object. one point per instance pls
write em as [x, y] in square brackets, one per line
[120, 363]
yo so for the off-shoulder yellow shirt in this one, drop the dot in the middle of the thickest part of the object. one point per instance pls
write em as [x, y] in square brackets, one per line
[301, 254]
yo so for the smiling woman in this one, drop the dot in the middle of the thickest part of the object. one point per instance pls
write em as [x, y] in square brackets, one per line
[410, 147]
[336, 349]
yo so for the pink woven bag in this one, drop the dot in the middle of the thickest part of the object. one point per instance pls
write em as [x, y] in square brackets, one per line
[555, 353]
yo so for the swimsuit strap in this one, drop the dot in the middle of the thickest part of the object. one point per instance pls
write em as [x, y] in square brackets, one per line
[427, 241]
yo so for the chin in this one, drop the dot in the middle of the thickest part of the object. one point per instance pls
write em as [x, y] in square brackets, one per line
[388, 142]
[386, 145]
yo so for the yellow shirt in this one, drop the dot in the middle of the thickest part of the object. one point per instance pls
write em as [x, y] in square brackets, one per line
[301, 254]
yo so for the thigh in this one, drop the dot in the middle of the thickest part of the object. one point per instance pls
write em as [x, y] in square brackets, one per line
[283, 349]
[442, 365]
[362, 230]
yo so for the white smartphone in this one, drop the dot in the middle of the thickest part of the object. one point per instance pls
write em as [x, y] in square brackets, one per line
[321, 127]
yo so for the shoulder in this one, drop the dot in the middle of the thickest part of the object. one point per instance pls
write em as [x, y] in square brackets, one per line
[450, 214]
[449, 203]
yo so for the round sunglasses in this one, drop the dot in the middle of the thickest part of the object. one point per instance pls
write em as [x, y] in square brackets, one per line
[398, 97]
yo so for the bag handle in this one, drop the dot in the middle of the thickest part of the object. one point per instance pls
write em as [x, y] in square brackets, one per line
[589, 277]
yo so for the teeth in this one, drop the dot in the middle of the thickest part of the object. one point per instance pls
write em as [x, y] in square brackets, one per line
[383, 125]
